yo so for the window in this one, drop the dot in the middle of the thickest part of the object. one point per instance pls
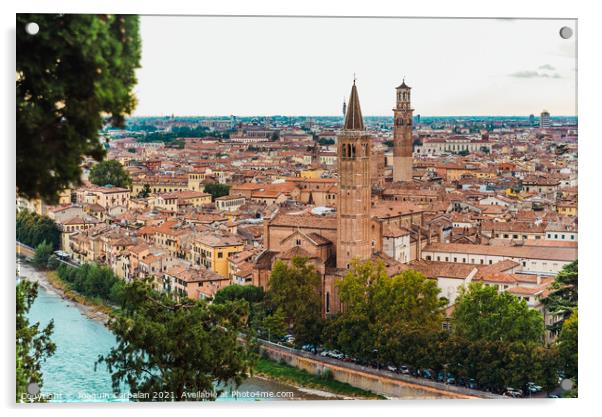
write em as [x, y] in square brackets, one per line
[298, 242]
[220, 255]
[428, 257]
[327, 302]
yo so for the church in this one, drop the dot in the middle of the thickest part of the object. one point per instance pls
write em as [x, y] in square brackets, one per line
[365, 225]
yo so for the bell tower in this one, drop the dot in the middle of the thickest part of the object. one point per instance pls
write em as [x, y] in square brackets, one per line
[402, 135]
[353, 211]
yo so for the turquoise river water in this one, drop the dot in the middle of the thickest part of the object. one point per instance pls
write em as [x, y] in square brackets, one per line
[69, 374]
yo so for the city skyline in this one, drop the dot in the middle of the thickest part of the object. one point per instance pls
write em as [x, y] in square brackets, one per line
[499, 74]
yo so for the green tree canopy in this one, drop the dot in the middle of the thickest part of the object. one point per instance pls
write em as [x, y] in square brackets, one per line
[482, 312]
[176, 346]
[42, 254]
[34, 344]
[75, 70]
[249, 293]
[388, 319]
[217, 190]
[563, 296]
[568, 346]
[295, 288]
[110, 172]
[33, 229]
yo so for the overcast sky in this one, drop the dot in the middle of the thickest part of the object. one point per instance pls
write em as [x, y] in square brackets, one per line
[305, 66]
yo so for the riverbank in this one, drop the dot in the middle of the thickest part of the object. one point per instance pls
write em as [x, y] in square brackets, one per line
[50, 280]
[307, 386]
[295, 376]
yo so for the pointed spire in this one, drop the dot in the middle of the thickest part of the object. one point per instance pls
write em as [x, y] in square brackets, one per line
[353, 118]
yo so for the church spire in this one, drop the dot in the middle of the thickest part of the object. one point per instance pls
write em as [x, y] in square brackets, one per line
[353, 118]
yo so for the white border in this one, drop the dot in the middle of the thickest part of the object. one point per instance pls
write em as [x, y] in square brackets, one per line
[590, 149]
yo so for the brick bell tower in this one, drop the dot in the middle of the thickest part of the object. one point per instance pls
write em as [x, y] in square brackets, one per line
[353, 212]
[402, 135]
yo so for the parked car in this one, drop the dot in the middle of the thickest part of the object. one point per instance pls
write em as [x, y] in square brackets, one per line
[309, 348]
[325, 353]
[512, 392]
[471, 383]
[427, 373]
[553, 395]
[533, 387]
[336, 354]
[451, 380]
[403, 369]
[391, 368]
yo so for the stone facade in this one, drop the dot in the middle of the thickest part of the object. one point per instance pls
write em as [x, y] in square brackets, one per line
[353, 213]
[402, 135]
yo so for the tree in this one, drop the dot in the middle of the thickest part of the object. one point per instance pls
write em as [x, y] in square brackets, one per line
[33, 229]
[563, 297]
[234, 292]
[53, 262]
[42, 254]
[76, 70]
[110, 172]
[296, 289]
[174, 346]
[34, 345]
[217, 190]
[388, 319]
[568, 346]
[274, 325]
[251, 294]
[145, 192]
[481, 312]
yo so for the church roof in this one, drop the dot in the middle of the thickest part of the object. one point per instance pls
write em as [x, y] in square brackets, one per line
[353, 117]
[403, 85]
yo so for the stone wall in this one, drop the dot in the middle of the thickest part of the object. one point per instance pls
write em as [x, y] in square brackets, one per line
[378, 381]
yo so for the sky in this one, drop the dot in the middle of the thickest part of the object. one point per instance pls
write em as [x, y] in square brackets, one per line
[245, 66]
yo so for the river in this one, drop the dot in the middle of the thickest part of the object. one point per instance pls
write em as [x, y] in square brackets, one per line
[69, 374]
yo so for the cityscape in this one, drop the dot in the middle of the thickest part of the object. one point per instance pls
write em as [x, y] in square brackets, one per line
[279, 257]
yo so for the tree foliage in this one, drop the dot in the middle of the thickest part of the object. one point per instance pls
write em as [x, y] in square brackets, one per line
[33, 229]
[387, 319]
[34, 344]
[42, 254]
[93, 280]
[217, 190]
[568, 346]
[483, 313]
[145, 192]
[563, 296]
[176, 346]
[74, 71]
[249, 293]
[295, 288]
[110, 172]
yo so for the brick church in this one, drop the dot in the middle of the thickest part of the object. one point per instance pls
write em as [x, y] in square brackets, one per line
[365, 226]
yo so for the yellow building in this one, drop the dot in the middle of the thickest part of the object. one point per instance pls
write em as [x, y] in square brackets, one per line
[311, 173]
[195, 181]
[567, 208]
[213, 250]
